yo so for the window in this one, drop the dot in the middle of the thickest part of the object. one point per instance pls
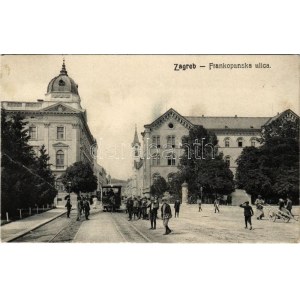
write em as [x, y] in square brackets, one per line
[155, 160]
[60, 159]
[171, 159]
[171, 125]
[156, 140]
[61, 83]
[227, 144]
[60, 133]
[227, 161]
[171, 141]
[32, 132]
[240, 142]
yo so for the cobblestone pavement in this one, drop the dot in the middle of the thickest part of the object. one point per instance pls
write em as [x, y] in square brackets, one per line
[191, 227]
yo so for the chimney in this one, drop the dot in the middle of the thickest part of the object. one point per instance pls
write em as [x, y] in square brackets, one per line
[235, 116]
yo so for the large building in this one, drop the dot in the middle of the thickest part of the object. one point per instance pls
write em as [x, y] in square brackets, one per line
[162, 143]
[60, 123]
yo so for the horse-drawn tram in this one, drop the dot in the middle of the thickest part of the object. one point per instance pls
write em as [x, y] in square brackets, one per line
[111, 197]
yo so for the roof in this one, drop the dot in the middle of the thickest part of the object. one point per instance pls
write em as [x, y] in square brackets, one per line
[62, 83]
[229, 122]
[211, 123]
[289, 114]
[135, 139]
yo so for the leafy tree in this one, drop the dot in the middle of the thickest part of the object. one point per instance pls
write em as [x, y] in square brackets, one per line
[175, 182]
[272, 170]
[158, 187]
[202, 166]
[45, 183]
[81, 176]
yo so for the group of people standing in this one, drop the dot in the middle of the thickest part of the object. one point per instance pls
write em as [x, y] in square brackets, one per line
[83, 206]
[147, 209]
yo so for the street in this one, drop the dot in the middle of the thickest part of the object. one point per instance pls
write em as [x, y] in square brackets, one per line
[191, 227]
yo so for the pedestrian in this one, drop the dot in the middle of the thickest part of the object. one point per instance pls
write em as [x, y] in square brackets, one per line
[129, 206]
[259, 207]
[216, 204]
[289, 205]
[153, 208]
[69, 207]
[166, 215]
[81, 205]
[177, 207]
[144, 208]
[135, 208]
[199, 201]
[78, 208]
[248, 213]
[95, 199]
[86, 209]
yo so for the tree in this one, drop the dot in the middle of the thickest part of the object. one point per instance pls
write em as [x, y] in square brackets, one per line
[201, 166]
[81, 176]
[175, 182]
[272, 170]
[18, 164]
[158, 187]
[45, 183]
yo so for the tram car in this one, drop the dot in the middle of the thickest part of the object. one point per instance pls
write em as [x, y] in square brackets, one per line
[111, 197]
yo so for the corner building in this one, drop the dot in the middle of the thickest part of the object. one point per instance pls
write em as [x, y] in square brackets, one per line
[60, 123]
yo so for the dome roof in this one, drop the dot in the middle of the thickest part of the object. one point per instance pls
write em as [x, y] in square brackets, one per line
[62, 83]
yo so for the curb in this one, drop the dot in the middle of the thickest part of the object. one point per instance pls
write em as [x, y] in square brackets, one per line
[24, 232]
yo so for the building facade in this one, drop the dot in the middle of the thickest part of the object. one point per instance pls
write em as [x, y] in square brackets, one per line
[163, 145]
[60, 123]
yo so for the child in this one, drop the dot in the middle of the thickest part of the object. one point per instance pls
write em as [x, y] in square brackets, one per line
[248, 213]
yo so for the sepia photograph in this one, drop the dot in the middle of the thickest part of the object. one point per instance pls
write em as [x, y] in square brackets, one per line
[150, 148]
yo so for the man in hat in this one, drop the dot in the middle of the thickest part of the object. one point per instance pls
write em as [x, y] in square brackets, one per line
[248, 213]
[153, 208]
[166, 214]
[68, 206]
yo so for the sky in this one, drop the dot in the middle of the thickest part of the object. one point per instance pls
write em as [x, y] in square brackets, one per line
[121, 91]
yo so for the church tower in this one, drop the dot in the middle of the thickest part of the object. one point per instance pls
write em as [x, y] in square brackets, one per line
[137, 165]
[136, 145]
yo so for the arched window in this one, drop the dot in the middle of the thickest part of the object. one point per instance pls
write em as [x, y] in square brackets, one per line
[240, 142]
[227, 144]
[60, 159]
[227, 160]
[156, 159]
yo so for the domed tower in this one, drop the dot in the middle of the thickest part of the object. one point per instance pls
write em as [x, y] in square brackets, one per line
[63, 88]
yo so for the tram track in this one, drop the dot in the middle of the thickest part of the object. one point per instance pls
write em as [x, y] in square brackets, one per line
[128, 232]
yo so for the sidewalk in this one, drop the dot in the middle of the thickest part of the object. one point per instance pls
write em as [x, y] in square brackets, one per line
[16, 229]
